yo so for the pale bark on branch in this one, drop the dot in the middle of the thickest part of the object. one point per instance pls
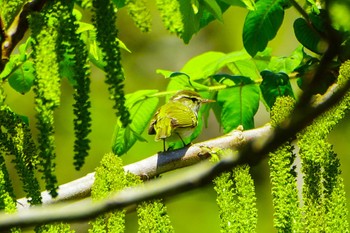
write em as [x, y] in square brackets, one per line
[156, 164]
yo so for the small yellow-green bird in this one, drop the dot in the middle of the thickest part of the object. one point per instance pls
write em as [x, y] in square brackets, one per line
[178, 118]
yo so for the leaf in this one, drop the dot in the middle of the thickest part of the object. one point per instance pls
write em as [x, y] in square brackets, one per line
[249, 4]
[261, 25]
[244, 65]
[182, 82]
[142, 109]
[213, 7]
[196, 17]
[190, 20]
[287, 64]
[275, 85]
[22, 78]
[203, 66]
[339, 12]
[308, 36]
[238, 104]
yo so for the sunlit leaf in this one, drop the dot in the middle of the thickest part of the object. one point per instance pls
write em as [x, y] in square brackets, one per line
[238, 104]
[287, 64]
[202, 66]
[142, 109]
[249, 4]
[243, 64]
[262, 24]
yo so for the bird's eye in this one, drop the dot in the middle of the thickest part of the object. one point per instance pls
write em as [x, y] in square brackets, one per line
[194, 99]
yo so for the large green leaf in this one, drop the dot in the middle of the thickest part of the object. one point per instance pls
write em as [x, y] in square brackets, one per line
[22, 78]
[244, 65]
[238, 104]
[203, 65]
[261, 25]
[308, 36]
[287, 64]
[275, 85]
[142, 109]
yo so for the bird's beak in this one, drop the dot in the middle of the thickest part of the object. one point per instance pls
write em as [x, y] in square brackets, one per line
[204, 101]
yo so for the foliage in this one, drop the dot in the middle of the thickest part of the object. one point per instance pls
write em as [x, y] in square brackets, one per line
[236, 200]
[62, 44]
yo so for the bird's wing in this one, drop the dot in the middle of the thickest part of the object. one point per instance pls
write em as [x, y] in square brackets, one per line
[184, 116]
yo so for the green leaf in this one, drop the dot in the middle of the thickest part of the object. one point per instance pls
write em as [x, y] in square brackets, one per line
[244, 65]
[142, 109]
[181, 81]
[203, 65]
[287, 64]
[339, 12]
[190, 20]
[22, 78]
[261, 25]
[308, 36]
[275, 85]
[249, 4]
[213, 7]
[238, 104]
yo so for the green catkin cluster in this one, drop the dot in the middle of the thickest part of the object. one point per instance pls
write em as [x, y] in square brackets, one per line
[110, 177]
[7, 199]
[54, 228]
[140, 13]
[46, 89]
[171, 16]
[283, 176]
[16, 139]
[236, 200]
[153, 217]
[104, 20]
[9, 10]
[71, 44]
[323, 191]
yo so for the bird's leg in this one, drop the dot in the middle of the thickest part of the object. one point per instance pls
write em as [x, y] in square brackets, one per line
[184, 144]
[164, 145]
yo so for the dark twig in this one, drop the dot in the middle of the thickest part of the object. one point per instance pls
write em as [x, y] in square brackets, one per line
[15, 33]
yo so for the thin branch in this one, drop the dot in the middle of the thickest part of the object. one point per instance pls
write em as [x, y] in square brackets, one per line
[198, 175]
[156, 164]
[16, 30]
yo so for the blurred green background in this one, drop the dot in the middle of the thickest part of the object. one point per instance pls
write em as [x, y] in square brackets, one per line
[194, 211]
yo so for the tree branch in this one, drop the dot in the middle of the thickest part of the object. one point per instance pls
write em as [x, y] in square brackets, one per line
[200, 174]
[156, 164]
[15, 32]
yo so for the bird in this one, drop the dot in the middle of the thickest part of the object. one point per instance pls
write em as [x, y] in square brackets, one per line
[178, 118]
